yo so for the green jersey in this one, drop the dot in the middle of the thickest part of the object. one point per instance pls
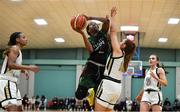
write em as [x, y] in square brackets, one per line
[101, 48]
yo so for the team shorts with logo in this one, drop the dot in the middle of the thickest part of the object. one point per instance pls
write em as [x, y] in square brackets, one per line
[9, 94]
[108, 93]
[152, 97]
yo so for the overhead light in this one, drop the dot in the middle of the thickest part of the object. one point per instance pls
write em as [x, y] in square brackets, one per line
[129, 28]
[162, 40]
[59, 40]
[40, 21]
[173, 21]
[96, 21]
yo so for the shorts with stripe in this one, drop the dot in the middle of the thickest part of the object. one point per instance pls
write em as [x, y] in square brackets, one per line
[9, 94]
[108, 93]
[152, 97]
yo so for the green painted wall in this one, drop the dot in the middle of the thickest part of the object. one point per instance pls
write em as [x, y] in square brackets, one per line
[164, 54]
[170, 90]
[136, 86]
[55, 81]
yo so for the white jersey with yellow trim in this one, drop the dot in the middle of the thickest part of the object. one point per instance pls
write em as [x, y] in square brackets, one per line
[114, 67]
[151, 83]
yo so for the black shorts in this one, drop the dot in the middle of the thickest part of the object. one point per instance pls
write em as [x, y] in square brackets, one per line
[91, 75]
[90, 78]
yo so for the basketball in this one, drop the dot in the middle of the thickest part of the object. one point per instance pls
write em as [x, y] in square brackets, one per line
[78, 22]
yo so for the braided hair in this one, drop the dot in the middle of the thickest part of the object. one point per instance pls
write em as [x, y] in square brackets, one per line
[12, 40]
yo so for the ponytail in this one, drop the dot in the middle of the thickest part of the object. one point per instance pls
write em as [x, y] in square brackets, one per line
[129, 50]
[163, 67]
[160, 66]
[12, 41]
[6, 51]
[12, 38]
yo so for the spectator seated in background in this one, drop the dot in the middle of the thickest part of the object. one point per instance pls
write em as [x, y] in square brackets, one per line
[176, 106]
[43, 103]
[135, 106]
[167, 105]
[67, 102]
[128, 104]
[61, 103]
[72, 104]
[55, 101]
[121, 106]
[86, 106]
[37, 102]
[49, 104]
[79, 104]
[25, 102]
[32, 103]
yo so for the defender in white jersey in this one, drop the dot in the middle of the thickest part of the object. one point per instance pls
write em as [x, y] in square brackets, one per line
[109, 89]
[151, 95]
[10, 98]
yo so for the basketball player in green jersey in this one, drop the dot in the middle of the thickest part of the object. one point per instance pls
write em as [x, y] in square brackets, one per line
[98, 47]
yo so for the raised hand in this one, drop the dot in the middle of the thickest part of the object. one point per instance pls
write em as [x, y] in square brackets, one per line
[138, 98]
[113, 11]
[79, 31]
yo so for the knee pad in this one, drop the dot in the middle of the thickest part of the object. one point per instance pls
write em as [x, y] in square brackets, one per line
[81, 92]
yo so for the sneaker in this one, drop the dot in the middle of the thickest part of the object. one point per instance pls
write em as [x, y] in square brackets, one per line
[90, 97]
